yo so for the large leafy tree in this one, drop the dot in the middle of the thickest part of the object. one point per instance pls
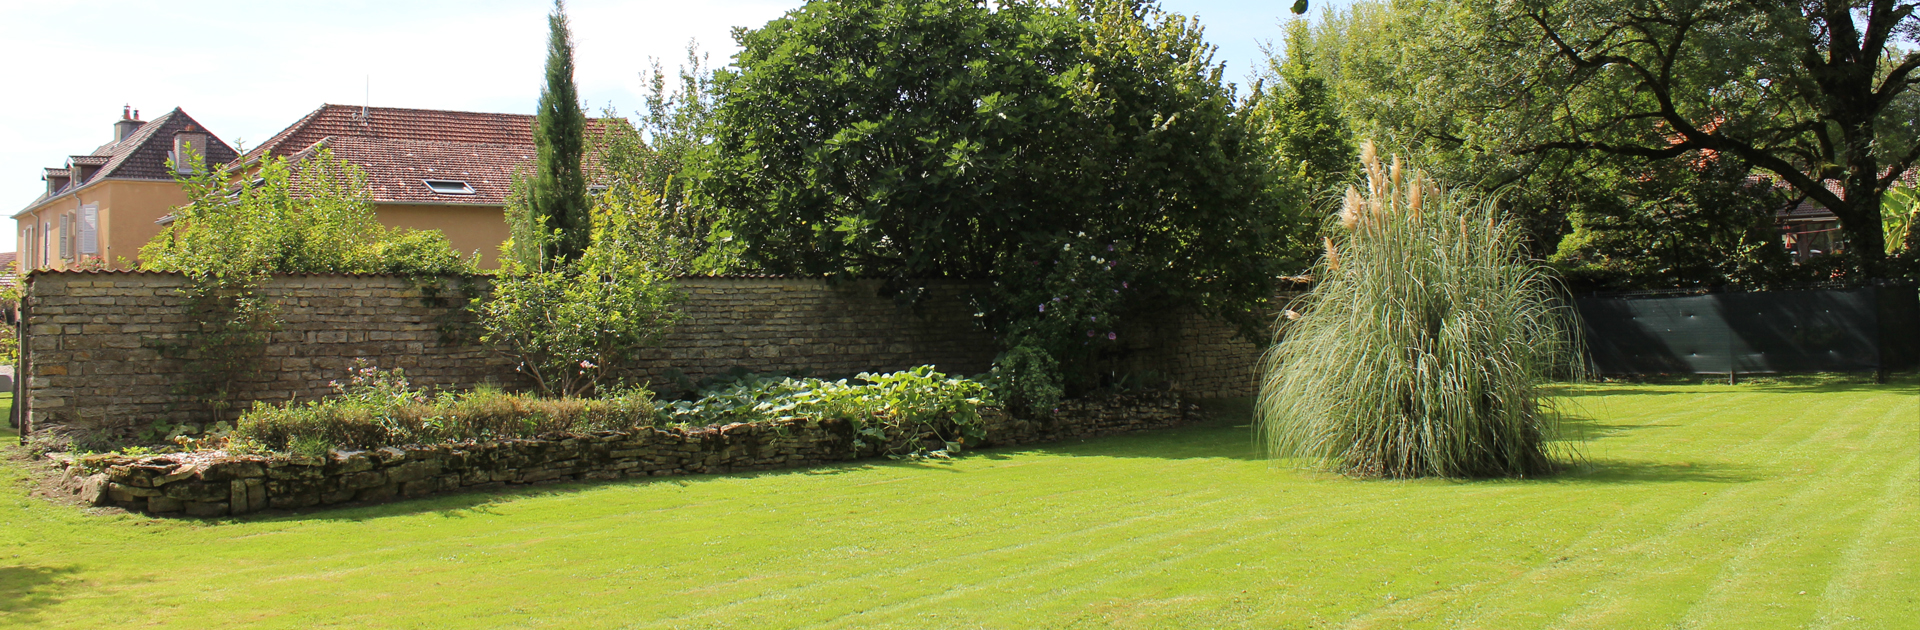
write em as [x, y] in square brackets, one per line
[1300, 116]
[1050, 150]
[1815, 94]
[556, 197]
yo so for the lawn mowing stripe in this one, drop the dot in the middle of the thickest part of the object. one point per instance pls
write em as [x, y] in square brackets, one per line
[1886, 552]
[963, 558]
[1715, 533]
[391, 549]
[1568, 570]
[1805, 514]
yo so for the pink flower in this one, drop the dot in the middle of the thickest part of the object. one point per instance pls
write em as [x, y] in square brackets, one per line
[1111, 336]
[587, 365]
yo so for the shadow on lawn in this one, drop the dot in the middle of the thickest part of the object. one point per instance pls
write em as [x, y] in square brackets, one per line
[486, 501]
[1769, 384]
[26, 590]
[1628, 471]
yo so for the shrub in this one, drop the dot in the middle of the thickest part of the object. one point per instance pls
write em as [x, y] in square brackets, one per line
[912, 403]
[576, 326]
[377, 408]
[314, 215]
[1423, 349]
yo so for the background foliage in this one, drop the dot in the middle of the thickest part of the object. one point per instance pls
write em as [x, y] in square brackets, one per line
[311, 216]
[1572, 108]
[1086, 159]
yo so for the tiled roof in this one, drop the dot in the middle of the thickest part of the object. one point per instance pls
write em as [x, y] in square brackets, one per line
[392, 123]
[7, 271]
[398, 148]
[143, 155]
[396, 168]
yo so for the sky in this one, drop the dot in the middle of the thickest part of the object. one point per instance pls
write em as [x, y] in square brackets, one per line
[246, 69]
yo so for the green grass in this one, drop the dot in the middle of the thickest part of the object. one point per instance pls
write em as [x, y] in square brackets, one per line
[1790, 504]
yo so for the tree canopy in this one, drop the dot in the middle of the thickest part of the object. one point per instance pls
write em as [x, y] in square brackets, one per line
[1051, 149]
[1815, 96]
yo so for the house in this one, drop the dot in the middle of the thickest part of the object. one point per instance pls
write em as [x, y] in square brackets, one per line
[427, 169]
[99, 208]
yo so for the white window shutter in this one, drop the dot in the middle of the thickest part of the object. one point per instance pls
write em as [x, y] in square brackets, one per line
[90, 229]
[66, 236]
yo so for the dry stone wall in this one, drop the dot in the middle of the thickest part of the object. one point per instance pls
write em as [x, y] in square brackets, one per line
[211, 484]
[92, 344]
[91, 363]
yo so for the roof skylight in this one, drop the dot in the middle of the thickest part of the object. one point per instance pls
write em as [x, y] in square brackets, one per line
[448, 186]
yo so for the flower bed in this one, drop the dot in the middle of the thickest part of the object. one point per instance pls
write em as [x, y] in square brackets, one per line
[212, 483]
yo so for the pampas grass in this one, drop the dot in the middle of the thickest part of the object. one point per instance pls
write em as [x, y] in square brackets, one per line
[1425, 346]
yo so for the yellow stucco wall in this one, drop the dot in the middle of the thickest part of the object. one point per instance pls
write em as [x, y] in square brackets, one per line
[128, 209]
[469, 228]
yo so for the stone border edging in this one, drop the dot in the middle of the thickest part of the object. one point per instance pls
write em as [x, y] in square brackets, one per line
[213, 484]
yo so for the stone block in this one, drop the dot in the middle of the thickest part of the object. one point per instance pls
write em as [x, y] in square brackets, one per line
[337, 496]
[121, 493]
[361, 480]
[164, 505]
[201, 491]
[413, 471]
[377, 493]
[347, 462]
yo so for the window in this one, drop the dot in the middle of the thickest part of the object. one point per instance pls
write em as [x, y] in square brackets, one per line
[66, 236]
[88, 233]
[448, 186]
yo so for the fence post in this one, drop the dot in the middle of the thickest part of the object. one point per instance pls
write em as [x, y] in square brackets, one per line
[1733, 368]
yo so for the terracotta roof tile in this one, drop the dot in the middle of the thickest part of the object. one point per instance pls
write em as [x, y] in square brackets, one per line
[392, 123]
[397, 169]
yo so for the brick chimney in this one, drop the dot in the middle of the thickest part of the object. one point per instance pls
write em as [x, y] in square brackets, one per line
[129, 122]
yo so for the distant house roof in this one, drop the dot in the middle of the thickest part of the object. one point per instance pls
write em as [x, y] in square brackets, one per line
[142, 155]
[401, 150]
[398, 171]
[7, 271]
[393, 123]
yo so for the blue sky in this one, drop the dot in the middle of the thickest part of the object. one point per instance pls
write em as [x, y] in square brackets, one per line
[246, 68]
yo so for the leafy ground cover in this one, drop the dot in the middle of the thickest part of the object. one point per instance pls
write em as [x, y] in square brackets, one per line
[1783, 504]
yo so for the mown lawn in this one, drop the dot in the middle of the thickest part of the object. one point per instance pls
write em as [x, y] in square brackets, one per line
[1791, 504]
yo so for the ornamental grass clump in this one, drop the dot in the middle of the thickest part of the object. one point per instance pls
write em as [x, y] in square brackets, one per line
[1426, 344]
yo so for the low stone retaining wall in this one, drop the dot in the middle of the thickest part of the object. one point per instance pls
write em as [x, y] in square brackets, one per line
[204, 484]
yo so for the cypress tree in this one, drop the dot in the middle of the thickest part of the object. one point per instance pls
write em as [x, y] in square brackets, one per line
[557, 198]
